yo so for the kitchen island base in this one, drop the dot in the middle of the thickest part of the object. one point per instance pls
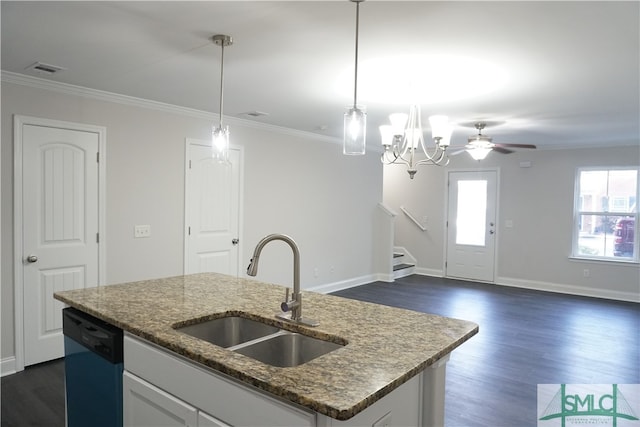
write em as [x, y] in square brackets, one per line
[163, 387]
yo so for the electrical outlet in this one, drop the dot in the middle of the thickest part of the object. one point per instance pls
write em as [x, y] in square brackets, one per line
[141, 231]
[385, 421]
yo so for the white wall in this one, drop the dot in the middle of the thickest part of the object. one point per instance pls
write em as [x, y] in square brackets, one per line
[534, 253]
[294, 183]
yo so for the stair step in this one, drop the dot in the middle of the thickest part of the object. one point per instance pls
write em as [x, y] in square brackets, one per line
[402, 266]
[398, 254]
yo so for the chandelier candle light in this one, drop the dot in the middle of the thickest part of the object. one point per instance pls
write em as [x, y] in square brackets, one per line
[220, 133]
[355, 119]
[404, 137]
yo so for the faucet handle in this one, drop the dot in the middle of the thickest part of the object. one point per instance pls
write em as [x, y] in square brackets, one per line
[284, 306]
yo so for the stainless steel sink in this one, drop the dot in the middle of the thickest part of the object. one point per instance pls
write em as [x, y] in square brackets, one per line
[287, 349]
[229, 331]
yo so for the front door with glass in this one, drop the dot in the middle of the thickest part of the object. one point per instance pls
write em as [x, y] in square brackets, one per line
[471, 225]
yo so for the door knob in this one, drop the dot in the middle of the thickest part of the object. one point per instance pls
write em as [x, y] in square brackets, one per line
[235, 241]
[32, 258]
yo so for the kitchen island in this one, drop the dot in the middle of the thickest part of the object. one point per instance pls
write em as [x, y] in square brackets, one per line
[388, 351]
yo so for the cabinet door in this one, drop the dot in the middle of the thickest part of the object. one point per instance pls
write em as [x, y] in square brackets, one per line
[206, 420]
[147, 406]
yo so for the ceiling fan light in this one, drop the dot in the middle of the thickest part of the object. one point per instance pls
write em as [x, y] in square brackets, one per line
[479, 153]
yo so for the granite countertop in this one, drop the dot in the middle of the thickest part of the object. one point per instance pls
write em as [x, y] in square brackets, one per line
[386, 346]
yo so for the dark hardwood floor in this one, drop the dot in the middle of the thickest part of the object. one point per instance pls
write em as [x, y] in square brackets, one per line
[34, 397]
[526, 338]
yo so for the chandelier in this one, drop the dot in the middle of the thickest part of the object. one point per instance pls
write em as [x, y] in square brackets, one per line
[403, 140]
[220, 133]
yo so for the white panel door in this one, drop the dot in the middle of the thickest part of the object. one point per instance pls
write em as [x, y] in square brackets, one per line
[471, 225]
[60, 229]
[212, 212]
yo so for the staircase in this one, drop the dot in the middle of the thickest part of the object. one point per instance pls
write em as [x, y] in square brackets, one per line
[401, 265]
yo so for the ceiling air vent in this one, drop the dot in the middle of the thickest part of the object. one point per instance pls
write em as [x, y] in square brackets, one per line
[43, 69]
[254, 113]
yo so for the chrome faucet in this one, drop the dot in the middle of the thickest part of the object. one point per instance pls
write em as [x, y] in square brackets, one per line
[294, 306]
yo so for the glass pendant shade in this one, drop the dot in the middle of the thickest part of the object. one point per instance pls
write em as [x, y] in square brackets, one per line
[479, 153]
[220, 143]
[441, 130]
[355, 130]
[386, 135]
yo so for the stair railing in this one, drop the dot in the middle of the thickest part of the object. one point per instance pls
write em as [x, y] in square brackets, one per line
[412, 218]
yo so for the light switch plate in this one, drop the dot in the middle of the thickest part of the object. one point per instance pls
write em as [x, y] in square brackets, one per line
[141, 231]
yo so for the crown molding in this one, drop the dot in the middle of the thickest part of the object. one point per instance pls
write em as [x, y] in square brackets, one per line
[101, 95]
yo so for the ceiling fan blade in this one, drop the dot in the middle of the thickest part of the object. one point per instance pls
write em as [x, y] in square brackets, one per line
[502, 150]
[516, 145]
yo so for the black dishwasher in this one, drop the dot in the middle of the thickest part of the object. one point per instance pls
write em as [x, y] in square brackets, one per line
[93, 370]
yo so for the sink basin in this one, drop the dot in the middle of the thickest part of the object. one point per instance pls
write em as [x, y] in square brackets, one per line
[287, 349]
[228, 331]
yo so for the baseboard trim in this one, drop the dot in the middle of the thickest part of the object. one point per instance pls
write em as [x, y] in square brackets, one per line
[345, 284]
[429, 272]
[558, 288]
[7, 366]
[568, 289]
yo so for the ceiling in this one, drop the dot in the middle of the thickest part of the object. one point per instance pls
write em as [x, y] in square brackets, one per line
[551, 73]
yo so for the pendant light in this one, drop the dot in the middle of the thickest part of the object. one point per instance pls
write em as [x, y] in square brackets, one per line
[220, 133]
[355, 119]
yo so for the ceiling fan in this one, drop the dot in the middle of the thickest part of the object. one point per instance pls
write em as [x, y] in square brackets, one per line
[480, 145]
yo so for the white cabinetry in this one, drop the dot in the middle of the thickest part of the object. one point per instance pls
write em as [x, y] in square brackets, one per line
[164, 389]
[205, 420]
[216, 398]
[146, 405]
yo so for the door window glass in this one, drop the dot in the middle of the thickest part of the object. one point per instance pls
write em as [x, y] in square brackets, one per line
[471, 219]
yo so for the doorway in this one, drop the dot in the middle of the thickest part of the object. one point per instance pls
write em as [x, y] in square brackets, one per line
[59, 205]
[471, 225]
[212, 210]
